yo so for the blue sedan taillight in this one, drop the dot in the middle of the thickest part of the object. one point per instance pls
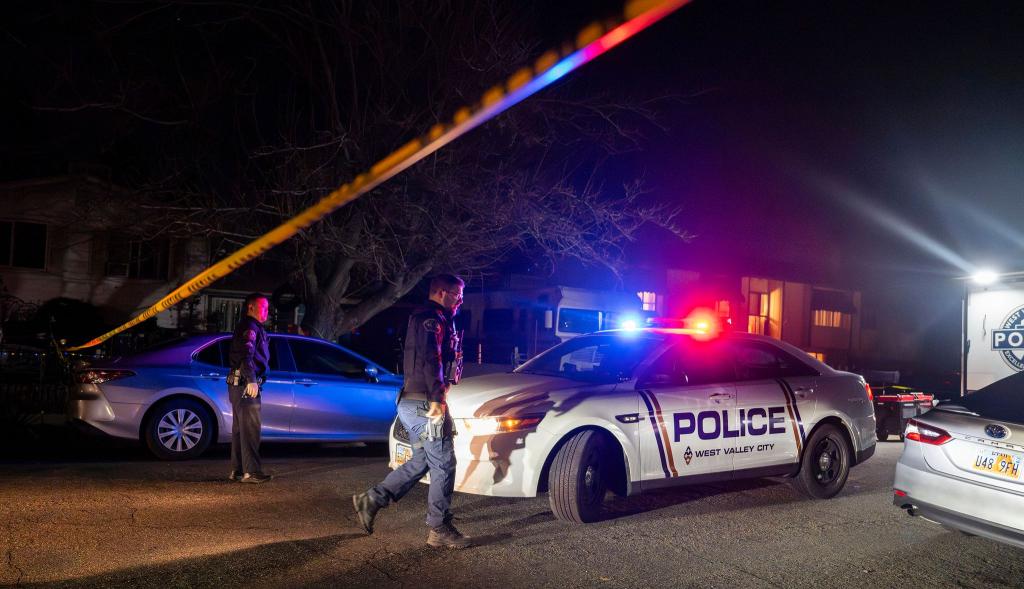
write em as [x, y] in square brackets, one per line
[98, 376]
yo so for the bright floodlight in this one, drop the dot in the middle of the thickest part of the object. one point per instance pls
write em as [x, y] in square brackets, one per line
[985, 277]
[628, 324]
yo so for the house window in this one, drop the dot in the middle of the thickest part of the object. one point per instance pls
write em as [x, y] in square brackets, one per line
[757, 319]
[23, 245]
[137, 258]
[722, 308]
[825, 318]
[819, 356]
[648, 300]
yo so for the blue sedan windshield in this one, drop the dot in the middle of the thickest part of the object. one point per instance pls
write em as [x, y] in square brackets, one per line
[594, 358]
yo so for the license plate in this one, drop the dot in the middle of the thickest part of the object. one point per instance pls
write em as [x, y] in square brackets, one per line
[998, 463]
[402, 454]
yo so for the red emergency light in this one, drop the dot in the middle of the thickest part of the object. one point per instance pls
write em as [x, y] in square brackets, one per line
[702, 323]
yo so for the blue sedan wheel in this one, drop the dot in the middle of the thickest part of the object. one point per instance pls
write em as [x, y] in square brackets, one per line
[179, 429]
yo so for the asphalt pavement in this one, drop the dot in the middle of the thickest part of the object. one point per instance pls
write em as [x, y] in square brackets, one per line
[83, 514]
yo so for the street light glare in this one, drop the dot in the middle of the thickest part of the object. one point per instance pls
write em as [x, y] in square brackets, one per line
[985, 277]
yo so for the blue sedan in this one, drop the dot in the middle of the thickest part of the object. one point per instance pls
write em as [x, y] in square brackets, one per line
[175, 399]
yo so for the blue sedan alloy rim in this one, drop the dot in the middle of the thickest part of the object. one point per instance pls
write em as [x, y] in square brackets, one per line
[179, 430]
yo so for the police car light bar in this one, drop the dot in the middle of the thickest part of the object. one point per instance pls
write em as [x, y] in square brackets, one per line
[702, 323]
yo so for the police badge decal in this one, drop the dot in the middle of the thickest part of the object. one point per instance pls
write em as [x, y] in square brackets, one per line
[1009, 341]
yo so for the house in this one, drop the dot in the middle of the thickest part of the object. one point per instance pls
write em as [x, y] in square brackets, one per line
[65, 238]
[831, 323]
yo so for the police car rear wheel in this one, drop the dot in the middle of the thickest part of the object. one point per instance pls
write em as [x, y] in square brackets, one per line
[578, 479]
[179, 429]
[825, 464]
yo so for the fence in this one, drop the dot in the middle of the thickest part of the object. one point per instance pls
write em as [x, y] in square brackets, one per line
[33, 382]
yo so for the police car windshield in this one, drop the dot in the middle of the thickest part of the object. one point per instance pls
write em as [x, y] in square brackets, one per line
[594, 358]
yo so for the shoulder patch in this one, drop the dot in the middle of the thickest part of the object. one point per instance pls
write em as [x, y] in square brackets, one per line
[432, 325]
[250, 335]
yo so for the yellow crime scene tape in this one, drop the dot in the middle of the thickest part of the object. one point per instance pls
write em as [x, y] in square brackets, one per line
[594, 40]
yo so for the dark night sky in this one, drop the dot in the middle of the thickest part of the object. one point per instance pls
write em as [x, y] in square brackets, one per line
[876, 144]
[879, 144]
[841, 122]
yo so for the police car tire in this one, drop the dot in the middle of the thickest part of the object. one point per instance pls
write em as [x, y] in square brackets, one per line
[572, 495]
[153, 441]
[827, 437]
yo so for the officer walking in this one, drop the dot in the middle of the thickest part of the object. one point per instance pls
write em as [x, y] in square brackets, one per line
[249, 358]
[424, 413]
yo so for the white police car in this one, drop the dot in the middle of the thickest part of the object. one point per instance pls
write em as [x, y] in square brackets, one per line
[632, 410]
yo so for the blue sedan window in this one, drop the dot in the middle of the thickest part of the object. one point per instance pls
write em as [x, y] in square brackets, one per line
[219, 353]
[211, 355]
[315, 358]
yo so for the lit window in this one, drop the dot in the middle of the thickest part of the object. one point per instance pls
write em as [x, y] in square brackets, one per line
[825, 318]
[648, 300]
[819, 356]
[756, 324]
[757, 320]
[722, 308]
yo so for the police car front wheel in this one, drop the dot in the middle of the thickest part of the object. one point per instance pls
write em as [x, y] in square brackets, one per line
[825, 464]
[579, 477]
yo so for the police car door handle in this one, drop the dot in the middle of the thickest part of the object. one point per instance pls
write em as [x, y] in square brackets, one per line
[719, 397]
[803, 391]
[212, 375]
[306, 382]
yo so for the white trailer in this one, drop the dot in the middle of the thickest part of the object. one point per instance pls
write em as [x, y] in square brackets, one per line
[993, 331]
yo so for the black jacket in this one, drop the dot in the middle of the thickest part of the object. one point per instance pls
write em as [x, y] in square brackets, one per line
[250, 351]
[426, 336]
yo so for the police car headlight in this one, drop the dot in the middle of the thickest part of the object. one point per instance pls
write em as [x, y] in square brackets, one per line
[481, 426]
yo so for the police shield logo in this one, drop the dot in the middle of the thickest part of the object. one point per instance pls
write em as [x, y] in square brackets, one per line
[1009, 341]
[688, 455]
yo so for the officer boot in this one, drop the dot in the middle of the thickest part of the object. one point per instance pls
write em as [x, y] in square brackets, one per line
[366, 510]
[446, 536]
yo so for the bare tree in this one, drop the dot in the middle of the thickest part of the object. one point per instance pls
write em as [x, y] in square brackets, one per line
[316, 92]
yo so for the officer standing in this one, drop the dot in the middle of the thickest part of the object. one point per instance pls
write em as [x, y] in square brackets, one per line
[424, 413]
[249, 358]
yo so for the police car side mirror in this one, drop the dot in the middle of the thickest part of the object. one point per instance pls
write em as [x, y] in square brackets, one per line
[372, 374]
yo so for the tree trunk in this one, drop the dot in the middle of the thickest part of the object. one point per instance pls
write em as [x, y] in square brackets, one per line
[383, 298]
[322, 316]
[326, 319]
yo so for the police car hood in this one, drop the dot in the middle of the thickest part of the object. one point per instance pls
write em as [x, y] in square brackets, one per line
[511, 393]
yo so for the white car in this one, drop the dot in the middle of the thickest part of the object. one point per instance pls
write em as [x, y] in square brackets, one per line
[962, 463]
[632, 410]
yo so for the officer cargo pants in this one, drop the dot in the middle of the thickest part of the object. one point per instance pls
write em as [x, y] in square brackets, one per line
[245, 432]
[436, 457]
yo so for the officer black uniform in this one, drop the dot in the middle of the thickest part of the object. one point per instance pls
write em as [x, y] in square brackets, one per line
[249, 360]
[428, 341]
[427, 338]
